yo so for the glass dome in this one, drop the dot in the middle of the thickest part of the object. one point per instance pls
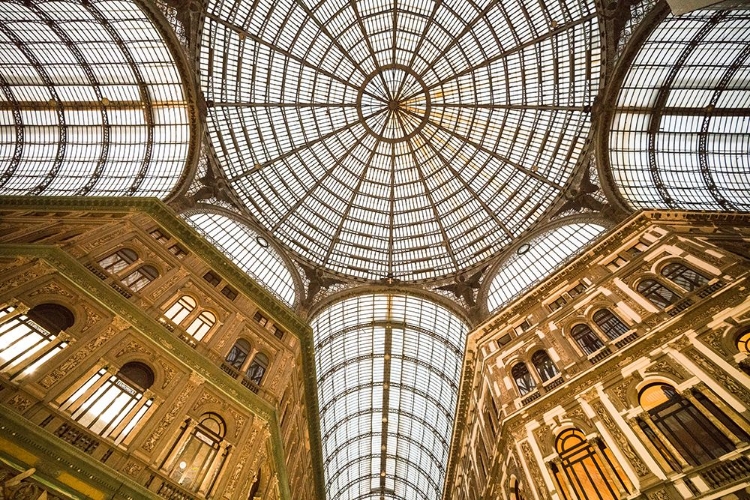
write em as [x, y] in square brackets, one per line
[408, 140]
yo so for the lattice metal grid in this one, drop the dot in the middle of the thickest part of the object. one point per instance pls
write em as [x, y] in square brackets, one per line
[406, 139]
[388, 369]
[91, 101]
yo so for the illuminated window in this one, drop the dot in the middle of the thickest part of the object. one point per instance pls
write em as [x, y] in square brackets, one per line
[609, 324]
[586, 339]
[583, 467]
[524, 381]
[112, 405]
[195, 462]
[658, 294]
[257, 368]
[683, 276]
[544, 366]
[687, 429]
[743, 341]
[140, 277]
[201, 325]
[181, 309]
[118, 261]
[29, 340]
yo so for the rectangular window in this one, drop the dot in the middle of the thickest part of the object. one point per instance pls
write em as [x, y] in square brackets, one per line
[159, 236]
[577, 290]
[212, 278]
[262, 320]
[278, 332]
[177, 251]
[503, 340]
[522, 327]
[229, 292]
[557, 304]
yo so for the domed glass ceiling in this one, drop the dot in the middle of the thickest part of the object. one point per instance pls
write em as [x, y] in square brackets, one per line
[404, 139]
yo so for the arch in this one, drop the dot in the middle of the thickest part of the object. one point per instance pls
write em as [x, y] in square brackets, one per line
[544, 365]
[238, 353]
[119, 260]
[609, 323]
[248, 249]
[683, 276]
[201, 325]
[543, 254]
[742, 340]
[584, 468]
[107, 117]
[586, 339]
[52, 317]
[141, 277]
[181, 309]
[424, 347]
[690, 432]
[27, 341]
[137, 373]
[664, 144]
[657, 293]
[521, 375]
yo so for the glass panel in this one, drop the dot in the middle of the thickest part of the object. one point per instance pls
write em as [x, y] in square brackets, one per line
[388, 369]
[401, 140]
[248, 250]
[95, 104]
[680, 137]
[537, 259]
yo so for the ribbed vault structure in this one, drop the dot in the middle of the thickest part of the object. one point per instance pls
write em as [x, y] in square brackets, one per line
[249, 250]
[91, 102]
[680, 134]
[405, 140]
[388, 369]
[537, 258]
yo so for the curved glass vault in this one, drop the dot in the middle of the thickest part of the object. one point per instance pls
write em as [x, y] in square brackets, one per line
[248, 250]
[536, 259]
[408, 140]
[91, 102]
[388, 369]
[680, 135]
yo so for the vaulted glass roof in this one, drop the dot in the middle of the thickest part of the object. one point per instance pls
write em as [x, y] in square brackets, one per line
[680, 135]
[388, 369]
[407, 139]
[250, 251]
[536, 259]
[91, 102]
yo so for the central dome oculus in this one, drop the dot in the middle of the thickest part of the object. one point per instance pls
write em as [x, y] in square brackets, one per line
[407, 140]
[394, 103]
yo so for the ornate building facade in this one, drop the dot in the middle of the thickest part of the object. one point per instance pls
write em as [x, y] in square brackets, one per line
[357, 250]
[625, 375]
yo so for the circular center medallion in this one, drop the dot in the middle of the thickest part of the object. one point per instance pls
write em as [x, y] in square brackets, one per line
[393, 103]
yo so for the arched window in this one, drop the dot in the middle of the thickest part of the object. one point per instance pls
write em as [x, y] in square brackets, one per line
[140, 277]
[111, 405]
[28, 340]
[523, 379]
[683, 276]
[544, 365]
[195, 462]
[609, 324]
[180, 309]
[686, 428]
[658, 294]
[586, 339]
[743, 341]
[238, 354]
[584, 469]
[257, 368]
[201, 325]
[118, 261]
